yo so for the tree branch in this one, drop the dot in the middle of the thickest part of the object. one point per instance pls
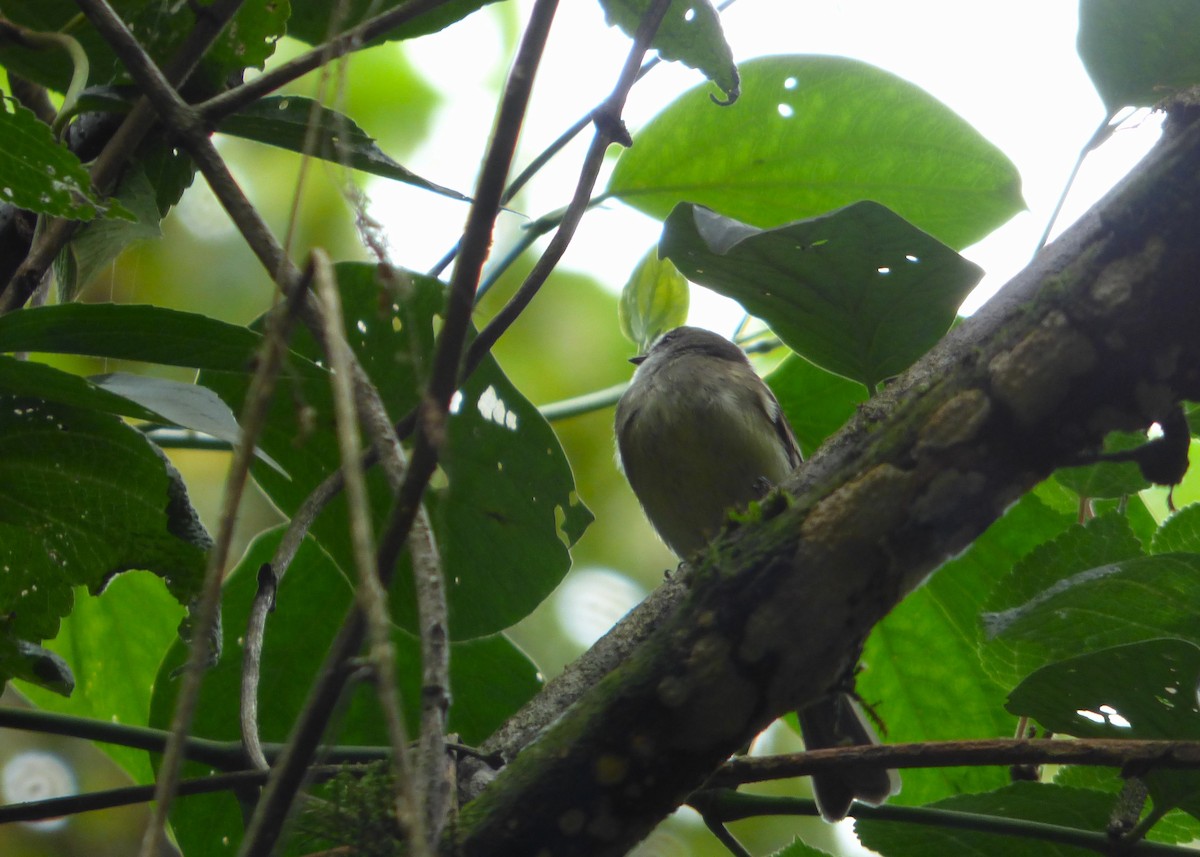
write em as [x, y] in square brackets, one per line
[1096, 335]
[1139, 755]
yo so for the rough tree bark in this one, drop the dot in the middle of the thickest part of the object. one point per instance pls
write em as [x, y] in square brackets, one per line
[1098, 334]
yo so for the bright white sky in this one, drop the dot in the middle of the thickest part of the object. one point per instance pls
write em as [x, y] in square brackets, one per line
[1010, 69]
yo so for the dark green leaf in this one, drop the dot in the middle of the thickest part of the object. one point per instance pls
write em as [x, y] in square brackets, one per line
[129, 332]
[811, 134]
[947, 697]
[1078, 809]
[1180, 532]
[690, 33]
[1108, 478]
[310, 18]
[654, 300]
[1138, 53]
[160, 28]
[284, 121]
[1144, 690]
[85, 497]
[816, 403]
[93, 248]
[490, 678]
[507, 512]
[858, 291]
[37, 380]
[38, 174]
[1055, 612]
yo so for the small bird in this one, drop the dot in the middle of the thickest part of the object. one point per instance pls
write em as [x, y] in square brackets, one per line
[700, 435]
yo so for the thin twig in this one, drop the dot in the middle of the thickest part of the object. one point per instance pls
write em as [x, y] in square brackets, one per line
[1117, 753]
[278, 333]
[1102, 133]
[547, 154]
[39, 810]
[430, 584]
[372, 597]
[609, 129]
[732, 806]
[431, 415]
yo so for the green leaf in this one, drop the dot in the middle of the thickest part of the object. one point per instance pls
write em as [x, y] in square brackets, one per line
[950, 696]
[85, 497]
[94, 247]
[816, 403]
[1044, 615]
[1180, 532]
[1138, 53]
[37, 380]
[1078, 809]
[653, 301]
[690, 33]
[310, 18]
[799, 848]
[160, 28]
[284, 122]
[490, 678]
[40, 175]
[506, 512]
[1141, 691]
[188, 406]
[145, 333]
[811, 134]
[1108, 479]
[859, 291]
[115, 645]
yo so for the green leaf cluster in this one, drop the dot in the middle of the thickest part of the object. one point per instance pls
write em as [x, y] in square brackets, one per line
[829, 198]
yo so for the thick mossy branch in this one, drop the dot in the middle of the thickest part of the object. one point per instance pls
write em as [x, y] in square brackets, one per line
[1097, 335]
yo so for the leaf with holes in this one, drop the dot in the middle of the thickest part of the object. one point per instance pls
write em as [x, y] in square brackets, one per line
[810, 134]
[1141, 691]
[84, 497]
[859, 291]
[503, 505]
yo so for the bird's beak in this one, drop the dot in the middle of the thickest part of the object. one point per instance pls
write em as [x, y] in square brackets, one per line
[637, 361]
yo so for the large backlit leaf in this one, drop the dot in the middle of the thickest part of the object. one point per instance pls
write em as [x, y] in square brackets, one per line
[858, 291]
[114, 645]
[810, 134]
